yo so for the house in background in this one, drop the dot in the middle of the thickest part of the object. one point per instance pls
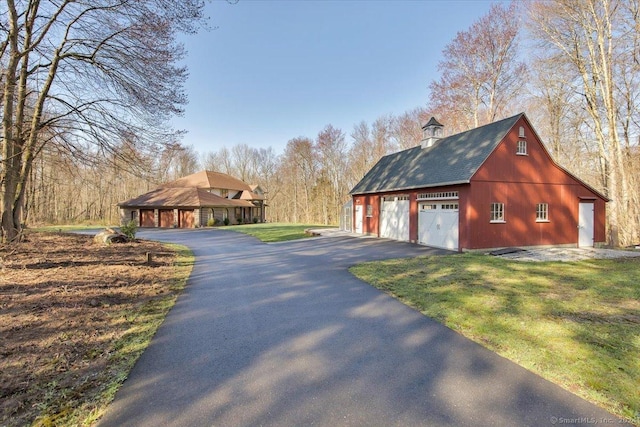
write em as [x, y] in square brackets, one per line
[491, 187]
[194, 200]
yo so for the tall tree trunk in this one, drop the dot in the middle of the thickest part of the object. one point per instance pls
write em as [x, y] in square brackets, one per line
[9, 172]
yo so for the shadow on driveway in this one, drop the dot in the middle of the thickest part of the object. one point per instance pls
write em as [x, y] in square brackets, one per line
[282, 335]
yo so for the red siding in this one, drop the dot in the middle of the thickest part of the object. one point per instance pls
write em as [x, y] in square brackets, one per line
[518, 181]
[369, 223]
[521, 182]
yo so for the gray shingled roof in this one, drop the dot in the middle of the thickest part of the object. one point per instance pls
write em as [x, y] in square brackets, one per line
[451, 160]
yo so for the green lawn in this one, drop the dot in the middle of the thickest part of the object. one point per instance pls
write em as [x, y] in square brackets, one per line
[275, 232]
[576, 324]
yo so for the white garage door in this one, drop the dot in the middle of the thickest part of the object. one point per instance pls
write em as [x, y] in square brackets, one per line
[438, 224]
[394, 218]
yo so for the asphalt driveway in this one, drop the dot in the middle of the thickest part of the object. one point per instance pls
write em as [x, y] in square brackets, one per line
[283, 335]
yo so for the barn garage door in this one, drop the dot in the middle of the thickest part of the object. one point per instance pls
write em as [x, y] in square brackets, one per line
[438, 224]
[147, 218]
[394, 218]
[165, 218]
[186, 218]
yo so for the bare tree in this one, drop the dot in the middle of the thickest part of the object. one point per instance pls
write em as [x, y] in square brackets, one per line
[298, 171]
[221, 161]
[592, 36]
[406, 129]
[553, 93]
[267, 174]
[187, 162]
[93, 71]
[332, 150]
[212, 162]
[481, 74]
[243, 159]
[360, 154]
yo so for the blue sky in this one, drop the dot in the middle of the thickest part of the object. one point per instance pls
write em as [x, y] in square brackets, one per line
[271, 71]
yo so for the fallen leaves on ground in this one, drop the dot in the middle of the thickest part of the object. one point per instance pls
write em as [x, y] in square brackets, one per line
[64, 302]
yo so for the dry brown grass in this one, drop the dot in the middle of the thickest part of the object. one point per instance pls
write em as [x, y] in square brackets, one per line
[66, 305]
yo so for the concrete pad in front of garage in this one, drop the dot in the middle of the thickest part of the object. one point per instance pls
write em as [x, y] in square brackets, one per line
[284, 335]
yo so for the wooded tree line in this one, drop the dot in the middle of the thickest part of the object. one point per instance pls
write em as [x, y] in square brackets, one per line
[572, 66]
[84, 83]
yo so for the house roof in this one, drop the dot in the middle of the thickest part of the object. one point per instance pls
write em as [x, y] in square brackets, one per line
[182, 197]
[209, 179]
[192, 191]
[249, 195]
[451, 160]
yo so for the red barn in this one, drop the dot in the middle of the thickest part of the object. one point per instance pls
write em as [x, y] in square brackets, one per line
[491, 187]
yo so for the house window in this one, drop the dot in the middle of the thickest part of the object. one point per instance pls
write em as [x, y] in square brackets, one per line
[521, 132]
[522, 148]
[542, 212]
[450, 206]
[497, 212]
[369, 211]
[224, 193]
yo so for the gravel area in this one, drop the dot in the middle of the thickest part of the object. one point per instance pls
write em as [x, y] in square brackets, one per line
[542, 254]
[569, 254]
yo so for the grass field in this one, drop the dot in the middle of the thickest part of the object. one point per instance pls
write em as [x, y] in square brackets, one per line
[576, 324]
[275, 232]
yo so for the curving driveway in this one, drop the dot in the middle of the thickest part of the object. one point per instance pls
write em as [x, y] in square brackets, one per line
[283, 335]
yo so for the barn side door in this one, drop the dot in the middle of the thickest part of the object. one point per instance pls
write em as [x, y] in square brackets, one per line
[358, 218]
[585, 225]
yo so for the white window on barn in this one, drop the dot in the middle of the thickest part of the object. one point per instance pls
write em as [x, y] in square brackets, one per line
[428, 207]
[522, 148]
[369, 211]
[542, 212]
[521, 132]
[497, 212]
[442, 195]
